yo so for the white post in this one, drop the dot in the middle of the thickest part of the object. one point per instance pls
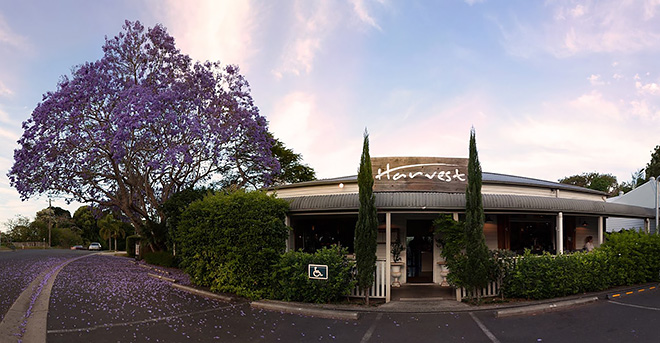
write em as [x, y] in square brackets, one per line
[388, 256]
[657, 201]
[600, 230]
[287, 222]
[560, 233]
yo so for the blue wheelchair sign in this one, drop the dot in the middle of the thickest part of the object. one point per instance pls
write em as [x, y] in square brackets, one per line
[317, 271]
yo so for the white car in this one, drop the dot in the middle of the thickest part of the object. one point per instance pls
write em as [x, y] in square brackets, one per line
[95, 246]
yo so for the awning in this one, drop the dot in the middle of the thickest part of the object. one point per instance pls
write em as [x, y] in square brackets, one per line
[428, 201]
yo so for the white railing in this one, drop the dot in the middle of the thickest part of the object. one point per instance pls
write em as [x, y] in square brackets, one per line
[378, 288]
[492, 290]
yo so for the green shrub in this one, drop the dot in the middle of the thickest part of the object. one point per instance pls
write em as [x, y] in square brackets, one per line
[453, 241]
[627, 258]
[635, 257]
[230, 241]
[160, 258]
[549, 276]
[291, 281]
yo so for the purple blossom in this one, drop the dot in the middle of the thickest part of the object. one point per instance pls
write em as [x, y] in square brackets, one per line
[140, 124]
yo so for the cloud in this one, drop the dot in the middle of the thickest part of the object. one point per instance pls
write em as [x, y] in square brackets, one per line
[594, 102]
[312, 128]
[14, 49]
[360, 8]
[590, 27]
[313, 24]
[4, 91]
[212, 30]
[472, 2]
[10, 38]
[8, 134]
[295, 108]
[417, 127]
[648, 88]
[606, 26]
[573, 136]
[595, 80]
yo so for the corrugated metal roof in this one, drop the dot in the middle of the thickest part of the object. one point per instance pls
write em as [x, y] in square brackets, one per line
[644, 195]
[494, 178]
[487, 178]
[420, 201]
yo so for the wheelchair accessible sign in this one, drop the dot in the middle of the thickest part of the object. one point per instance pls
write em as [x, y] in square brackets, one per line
[317, 271]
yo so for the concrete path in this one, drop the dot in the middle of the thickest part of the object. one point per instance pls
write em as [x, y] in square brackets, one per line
[27, 318]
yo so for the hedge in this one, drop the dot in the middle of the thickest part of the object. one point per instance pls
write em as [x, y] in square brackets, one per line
[230, 241]
[160, 258]
[291, 281]
[627, 258]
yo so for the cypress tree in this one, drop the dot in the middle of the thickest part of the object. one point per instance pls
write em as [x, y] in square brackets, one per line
[478, 260]
[366, 228]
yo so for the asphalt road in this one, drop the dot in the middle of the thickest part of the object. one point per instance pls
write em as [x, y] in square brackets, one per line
[19, 268]
[110, 299]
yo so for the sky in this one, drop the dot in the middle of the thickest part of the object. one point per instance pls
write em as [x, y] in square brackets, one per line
[552, 88]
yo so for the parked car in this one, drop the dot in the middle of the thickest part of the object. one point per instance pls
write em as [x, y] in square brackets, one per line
[95, 246]
[77, 247]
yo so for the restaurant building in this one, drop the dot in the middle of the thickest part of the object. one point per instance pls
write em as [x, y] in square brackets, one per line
[411, 192]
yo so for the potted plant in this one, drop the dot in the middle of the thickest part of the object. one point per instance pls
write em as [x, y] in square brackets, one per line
[397, 248]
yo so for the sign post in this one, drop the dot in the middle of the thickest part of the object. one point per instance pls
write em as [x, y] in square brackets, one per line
[317, 271]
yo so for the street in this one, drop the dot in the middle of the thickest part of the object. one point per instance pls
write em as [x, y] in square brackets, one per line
[103, 298]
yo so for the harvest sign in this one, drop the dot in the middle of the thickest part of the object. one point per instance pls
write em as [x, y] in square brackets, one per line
[419, 174]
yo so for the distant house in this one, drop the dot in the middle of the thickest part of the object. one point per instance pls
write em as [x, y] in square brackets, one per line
[642, 196]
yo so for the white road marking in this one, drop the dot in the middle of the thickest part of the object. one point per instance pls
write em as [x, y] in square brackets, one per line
[137, 322]
[484, 329]
[635, 306]
[367, 335]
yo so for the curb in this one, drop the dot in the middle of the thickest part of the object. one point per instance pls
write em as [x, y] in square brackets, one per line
[160, 277]
[543, 307]
[202, 292]
[307, 311]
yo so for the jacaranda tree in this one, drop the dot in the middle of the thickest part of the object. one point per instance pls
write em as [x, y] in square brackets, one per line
[140, 124]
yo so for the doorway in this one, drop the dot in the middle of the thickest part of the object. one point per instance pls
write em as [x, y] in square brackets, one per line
[419, 251]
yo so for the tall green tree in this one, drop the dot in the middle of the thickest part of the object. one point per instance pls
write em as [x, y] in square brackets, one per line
[601, 182]
[111, 228]
[653, 167]
[366, 228]
[478, 259]
[176, 205]
[292, 169]
[86, 221]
